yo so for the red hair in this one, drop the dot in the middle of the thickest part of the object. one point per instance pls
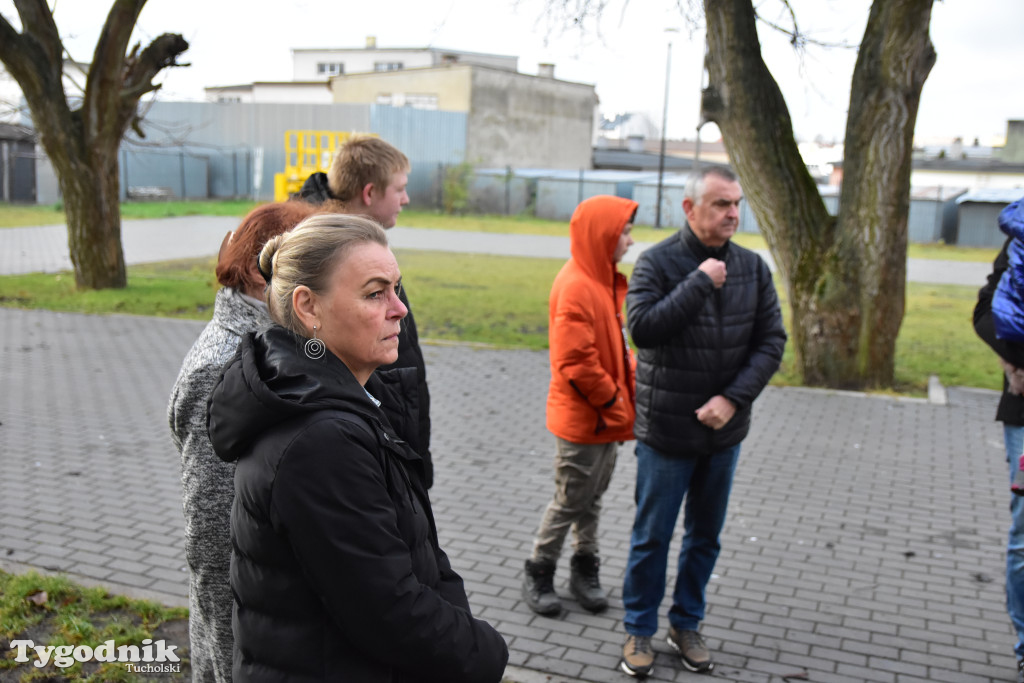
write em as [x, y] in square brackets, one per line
[241, 248]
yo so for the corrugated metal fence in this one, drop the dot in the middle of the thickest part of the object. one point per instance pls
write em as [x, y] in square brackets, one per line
[219, 150]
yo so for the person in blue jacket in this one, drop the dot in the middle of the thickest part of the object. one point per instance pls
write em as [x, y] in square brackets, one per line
[1008, 299]
[1011, 413]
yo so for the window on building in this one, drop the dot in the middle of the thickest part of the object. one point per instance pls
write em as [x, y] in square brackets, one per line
[330, 68]
[387, 66]
[229, 98]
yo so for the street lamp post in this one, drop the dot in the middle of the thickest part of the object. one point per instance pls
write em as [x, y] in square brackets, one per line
[664, 126]
[700, 110]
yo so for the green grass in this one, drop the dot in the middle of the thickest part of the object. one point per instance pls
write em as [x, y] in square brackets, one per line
[499, 300]
[174, 289]
[936, 338]
[502, 301]
[22, 215]
[230, 207]
[51, 610]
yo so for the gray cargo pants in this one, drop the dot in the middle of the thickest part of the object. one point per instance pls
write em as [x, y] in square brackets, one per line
[582, 475]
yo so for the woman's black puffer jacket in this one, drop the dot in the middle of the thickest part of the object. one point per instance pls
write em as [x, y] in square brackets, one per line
[336, 568]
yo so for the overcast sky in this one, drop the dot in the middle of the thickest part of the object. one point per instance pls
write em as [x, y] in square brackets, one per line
[971, 92]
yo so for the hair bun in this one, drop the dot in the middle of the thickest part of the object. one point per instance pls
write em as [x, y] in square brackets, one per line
[265, 273]
[265, 261]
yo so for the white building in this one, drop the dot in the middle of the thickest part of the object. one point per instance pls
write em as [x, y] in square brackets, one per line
[312, 68]
[290, 92]
[322, 63]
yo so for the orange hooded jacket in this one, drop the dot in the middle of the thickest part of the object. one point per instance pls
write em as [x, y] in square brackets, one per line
[592, 394]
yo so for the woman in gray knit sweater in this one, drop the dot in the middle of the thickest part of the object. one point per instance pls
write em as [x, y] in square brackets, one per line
[207, 481]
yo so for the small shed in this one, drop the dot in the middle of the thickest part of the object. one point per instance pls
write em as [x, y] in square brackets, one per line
[646, 195]
[978, 215]
[932, 214]
[559, 192]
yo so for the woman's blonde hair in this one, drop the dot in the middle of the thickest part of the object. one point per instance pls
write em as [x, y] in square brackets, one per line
[307, 255]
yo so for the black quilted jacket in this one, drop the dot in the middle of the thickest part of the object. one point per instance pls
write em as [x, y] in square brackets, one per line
[696, 341]
[336, 569]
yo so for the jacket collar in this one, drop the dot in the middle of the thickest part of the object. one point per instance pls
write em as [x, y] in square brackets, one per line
[701, 250]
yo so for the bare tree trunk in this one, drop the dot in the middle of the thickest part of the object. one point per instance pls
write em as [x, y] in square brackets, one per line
[845, 276]
[92, 205]
[895, 58]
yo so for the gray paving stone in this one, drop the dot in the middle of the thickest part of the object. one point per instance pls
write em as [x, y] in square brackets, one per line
[82, 568]
[50, 562]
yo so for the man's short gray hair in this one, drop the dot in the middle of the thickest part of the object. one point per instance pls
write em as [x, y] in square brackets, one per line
[695, 183]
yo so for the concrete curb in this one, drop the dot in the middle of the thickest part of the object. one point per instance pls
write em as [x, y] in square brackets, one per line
[936, 392]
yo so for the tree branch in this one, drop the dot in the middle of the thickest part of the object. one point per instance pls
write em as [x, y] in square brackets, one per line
[37, 22]
[140, 69]
[33, 58]
[106, 73]
[797, 38]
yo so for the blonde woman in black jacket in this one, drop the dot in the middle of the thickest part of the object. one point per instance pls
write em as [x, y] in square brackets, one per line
[336, 568]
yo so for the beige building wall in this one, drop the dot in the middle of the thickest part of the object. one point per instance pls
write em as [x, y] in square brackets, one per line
[513, 119]
[450, 85]
[530, 121]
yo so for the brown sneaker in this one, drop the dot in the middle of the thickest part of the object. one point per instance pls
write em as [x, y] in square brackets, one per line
[692, 650]
[637, 656]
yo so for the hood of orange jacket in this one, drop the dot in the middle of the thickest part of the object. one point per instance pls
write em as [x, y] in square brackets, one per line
[594, 232]
[591, 395]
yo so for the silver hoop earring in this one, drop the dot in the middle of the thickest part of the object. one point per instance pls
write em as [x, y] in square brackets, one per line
[315, 348]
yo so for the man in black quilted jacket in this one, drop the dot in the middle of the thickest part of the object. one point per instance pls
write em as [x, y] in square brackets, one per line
[705, 317]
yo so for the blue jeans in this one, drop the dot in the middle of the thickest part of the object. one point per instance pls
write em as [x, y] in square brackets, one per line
[1013, 437]
[662, 482]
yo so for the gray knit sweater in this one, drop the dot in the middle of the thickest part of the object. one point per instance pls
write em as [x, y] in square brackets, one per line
[208, 484]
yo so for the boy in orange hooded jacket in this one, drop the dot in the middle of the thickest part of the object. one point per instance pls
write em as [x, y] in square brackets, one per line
[590, 407]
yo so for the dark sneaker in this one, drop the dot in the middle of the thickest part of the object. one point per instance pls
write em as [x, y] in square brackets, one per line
[692, 650]
[637, 657]
[1020, 671]
[539, 588]
[584, 584]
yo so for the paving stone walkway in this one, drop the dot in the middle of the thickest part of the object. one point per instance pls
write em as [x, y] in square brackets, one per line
[865, 538]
